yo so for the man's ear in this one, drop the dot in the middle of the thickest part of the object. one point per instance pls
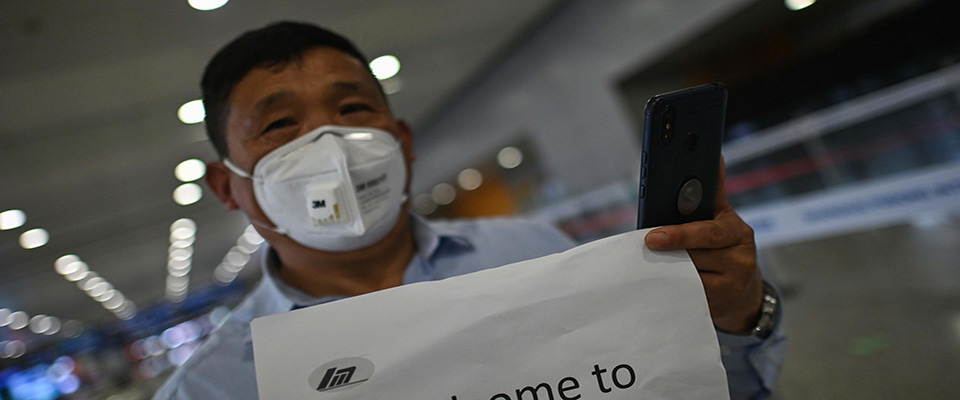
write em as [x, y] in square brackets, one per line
[218, 179]
[406, 138]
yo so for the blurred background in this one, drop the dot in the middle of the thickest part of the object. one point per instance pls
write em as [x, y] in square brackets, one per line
[842, 149]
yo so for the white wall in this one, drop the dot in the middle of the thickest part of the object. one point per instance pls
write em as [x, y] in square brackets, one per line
[559, 88]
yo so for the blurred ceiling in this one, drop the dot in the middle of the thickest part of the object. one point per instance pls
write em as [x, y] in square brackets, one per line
[89, 135]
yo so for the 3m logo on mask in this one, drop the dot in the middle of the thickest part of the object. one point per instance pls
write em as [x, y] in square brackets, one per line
[341, 374]
[323, 205]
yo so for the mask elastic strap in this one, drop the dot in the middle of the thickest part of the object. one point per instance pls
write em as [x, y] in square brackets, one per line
[274, 229]
[241, 173]
[235, 169]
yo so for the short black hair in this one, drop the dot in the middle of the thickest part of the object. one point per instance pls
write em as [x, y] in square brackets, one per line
[276, 44]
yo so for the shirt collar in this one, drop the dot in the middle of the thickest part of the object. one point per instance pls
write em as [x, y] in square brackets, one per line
[430, 238]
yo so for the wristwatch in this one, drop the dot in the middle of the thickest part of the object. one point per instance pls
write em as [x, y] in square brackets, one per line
[768, 313]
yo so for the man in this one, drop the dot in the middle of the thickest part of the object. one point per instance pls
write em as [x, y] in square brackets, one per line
[330, 200]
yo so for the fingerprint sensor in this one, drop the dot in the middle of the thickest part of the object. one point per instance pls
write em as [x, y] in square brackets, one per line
[691, 194]
[690, 142]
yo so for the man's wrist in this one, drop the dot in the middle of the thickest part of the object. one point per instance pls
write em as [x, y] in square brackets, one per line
[768, 313]
[742, 320]
[762, 321]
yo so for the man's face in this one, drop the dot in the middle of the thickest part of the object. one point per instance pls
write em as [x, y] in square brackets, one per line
[273, 106]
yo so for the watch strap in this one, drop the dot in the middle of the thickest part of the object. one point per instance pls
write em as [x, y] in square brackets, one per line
[768, 313]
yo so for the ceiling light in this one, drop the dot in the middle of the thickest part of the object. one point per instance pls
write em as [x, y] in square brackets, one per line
[99, 289]
[252, 237]
[83, 278]
[14, 349]
[192, 112]
[128, 306]
[177, 282]
[183, 243]
[509, 157]
[190, 170]
[469, 179]
[39, 324]
[173, 298]
[233, 269]
[184, 233]
[797, 5]
[177, 265]
[61, 264]
[207, 5]
[182, 236]
[223, 275]
[34, 238]
[237, 258]
[72, 328]
[187, 194]
[176, 291]
[444, 193]
[18, 320]
[424, 204]
[12, 219]
[183, 223]
[76, 276]
[127, 312]
[113, 303]
[243, 248]
[72, 268]
[54, 326]
[90, 283]
[112, 293]
[392, 85]
[385, 67]
[4, 316]
[181, 254]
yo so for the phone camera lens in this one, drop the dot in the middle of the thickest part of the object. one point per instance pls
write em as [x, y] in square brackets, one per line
[667, 121]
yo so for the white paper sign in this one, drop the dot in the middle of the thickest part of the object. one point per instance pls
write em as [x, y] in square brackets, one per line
[607, 320]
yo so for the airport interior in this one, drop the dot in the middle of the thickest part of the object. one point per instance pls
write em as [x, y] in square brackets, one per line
[841, 147]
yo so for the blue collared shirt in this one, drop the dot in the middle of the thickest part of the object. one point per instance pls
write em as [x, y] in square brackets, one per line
[222, 368]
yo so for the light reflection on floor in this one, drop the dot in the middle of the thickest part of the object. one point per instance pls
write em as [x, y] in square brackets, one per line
[872, 315]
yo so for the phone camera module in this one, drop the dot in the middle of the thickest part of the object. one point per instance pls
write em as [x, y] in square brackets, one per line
[668, 125]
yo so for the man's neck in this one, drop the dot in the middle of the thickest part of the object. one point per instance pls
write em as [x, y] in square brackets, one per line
[377, 267]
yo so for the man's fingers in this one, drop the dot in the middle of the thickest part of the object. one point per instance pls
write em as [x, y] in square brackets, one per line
[724, 261]
[712, 234]
[724, 230]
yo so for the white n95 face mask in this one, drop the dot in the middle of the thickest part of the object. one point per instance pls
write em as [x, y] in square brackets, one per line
[336, 188]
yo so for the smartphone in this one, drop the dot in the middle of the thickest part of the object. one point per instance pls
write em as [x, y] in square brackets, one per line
[680, 163]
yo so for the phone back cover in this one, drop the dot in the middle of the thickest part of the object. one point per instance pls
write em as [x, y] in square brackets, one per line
[701, 110]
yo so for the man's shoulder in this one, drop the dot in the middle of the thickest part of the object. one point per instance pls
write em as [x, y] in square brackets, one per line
[498, 227]
[222, 367]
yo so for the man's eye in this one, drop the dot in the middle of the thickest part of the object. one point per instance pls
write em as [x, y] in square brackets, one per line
[354, 107]
[280, 123]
